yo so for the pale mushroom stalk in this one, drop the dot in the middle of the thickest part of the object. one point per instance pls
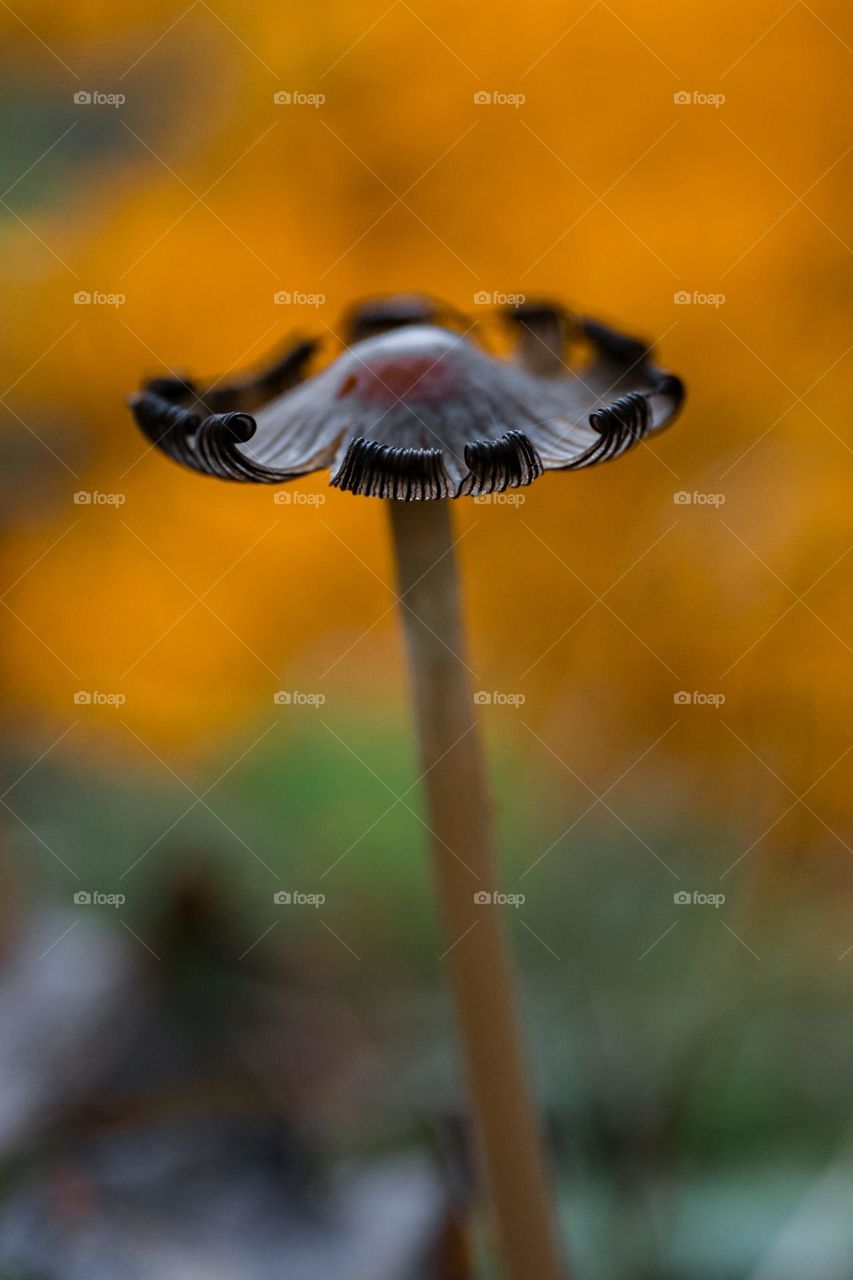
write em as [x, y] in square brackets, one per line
[462, 836]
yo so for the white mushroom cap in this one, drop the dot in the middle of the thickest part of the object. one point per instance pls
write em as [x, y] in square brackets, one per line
[420, 412]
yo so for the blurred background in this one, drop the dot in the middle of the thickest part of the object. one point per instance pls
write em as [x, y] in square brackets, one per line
[666, 643]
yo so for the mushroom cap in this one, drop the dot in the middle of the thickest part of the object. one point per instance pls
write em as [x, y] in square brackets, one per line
[419, 412]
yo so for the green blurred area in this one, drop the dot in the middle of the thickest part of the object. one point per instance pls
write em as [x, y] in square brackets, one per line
[696, 1086]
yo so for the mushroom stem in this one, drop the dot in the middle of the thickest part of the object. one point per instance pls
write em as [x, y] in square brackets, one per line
[460, 820]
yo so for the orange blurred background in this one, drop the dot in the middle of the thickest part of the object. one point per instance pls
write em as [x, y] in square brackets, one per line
[603, 596]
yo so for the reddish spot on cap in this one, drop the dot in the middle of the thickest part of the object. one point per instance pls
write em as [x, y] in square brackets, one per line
[404, 377]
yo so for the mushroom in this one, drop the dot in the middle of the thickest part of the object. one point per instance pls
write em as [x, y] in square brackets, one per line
[414, 412]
